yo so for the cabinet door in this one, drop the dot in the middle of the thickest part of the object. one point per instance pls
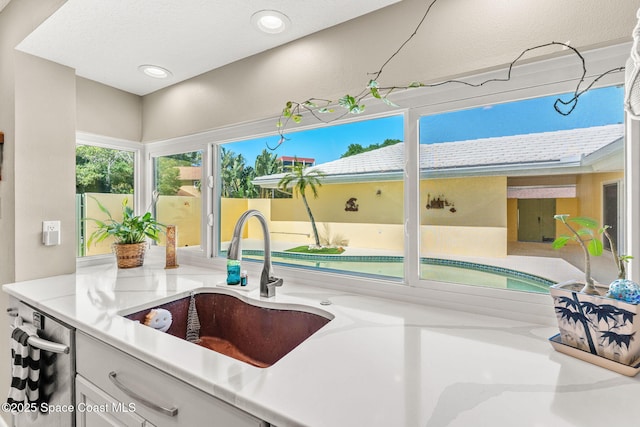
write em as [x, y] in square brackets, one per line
[157, 397]
[95, 408]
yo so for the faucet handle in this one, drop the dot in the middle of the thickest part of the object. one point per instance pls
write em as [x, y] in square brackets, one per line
[275, 281]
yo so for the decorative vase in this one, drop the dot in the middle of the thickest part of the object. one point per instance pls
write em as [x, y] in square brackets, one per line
[596, 324]
[129, 255]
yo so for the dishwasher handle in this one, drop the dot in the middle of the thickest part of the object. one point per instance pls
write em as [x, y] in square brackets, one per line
[37, 342]
[46, 345]
[172, 412]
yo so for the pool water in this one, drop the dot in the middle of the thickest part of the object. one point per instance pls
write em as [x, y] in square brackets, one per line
[435, 269]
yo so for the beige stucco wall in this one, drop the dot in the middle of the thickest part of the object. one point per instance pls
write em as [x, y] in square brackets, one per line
[460, 36]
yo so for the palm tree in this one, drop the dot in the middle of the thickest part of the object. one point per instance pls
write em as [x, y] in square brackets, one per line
[234, 177]
[267, 164]
[299, 179]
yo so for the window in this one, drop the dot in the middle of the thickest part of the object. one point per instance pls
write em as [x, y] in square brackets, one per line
[104, 176]
[177, 183]
[492, 178]
[423, 213]
[333, 196]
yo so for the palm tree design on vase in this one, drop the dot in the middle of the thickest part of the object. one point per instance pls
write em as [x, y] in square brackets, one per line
[600, 325]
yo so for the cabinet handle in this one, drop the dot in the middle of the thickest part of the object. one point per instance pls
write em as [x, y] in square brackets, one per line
[172, 412]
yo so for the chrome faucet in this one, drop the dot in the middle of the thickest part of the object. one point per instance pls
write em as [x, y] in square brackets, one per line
[267, 281]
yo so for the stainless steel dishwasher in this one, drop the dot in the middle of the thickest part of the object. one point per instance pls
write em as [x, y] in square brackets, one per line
[56, 342]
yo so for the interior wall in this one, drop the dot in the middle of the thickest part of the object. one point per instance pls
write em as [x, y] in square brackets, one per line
[32, 157]
[106, 111]
[453, 41]
[45, 113]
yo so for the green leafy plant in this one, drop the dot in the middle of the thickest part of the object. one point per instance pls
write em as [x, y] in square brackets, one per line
[586, 231]
[355, 104]
[131, 229]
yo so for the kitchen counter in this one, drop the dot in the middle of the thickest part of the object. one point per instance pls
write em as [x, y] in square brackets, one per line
[377, 363]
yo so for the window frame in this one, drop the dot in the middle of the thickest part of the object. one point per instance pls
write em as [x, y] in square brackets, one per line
[531, 80]
[179, 146]
[87, 139]
[543, 76]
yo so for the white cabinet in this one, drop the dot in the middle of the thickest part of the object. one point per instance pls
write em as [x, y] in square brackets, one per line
[136, 394]
[95, 408]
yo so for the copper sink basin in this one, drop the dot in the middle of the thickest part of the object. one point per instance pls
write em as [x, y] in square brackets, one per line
[255, 334]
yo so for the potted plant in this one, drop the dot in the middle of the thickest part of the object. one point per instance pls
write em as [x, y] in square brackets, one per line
[130, 234]
[590, 318]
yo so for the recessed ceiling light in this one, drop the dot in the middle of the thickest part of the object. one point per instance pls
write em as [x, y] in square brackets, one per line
[270, 21]
[155, 71]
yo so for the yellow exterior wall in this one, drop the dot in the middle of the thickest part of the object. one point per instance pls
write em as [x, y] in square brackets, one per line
[565, 206]
[385, 208]
[185, 213]
[230, 211]
[252, 228]
[479, 201]
[113, 203]
[464, 241]
[484, 221]
[588, 202]
[480, 219]
[590, 192]
[370, 236]
[512, 220]
[479, 224]
[377, 224]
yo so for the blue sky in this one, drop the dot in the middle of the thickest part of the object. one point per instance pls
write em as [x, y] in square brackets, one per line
[325, 144]
[595, 107]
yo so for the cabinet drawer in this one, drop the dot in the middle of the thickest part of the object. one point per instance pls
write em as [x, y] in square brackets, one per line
[158, 397]
[98, 409]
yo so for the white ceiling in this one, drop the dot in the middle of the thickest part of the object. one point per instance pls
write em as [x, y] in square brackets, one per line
[107, 41]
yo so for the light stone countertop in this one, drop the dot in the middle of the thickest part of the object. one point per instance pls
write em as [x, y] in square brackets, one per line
[377, 363]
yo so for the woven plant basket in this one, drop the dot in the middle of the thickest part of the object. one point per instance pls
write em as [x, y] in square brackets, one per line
[130, 255]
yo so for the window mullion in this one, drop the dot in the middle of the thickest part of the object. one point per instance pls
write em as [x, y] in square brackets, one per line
[412, 199]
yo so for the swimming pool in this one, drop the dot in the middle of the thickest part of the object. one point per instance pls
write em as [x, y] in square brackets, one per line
[437, 269]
